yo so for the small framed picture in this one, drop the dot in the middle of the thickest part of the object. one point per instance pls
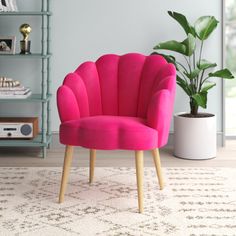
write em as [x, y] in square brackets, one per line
[7, 44]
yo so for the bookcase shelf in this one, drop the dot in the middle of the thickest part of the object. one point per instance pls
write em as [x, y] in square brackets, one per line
[43, 140]
[26, 13]
[31, 98]
[21, 56]
[36, 142]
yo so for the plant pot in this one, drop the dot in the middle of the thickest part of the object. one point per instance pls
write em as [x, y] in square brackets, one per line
[194, 138]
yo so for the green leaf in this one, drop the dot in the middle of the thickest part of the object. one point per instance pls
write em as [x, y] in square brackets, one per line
[172, 46]
[181, 19]
[207, 87]
[204, 26]
[184, 85]
[187, 47]
[225, 74]
[204, 64]
[190, 43]
[193, 74]
[169, 58]
[201, 99]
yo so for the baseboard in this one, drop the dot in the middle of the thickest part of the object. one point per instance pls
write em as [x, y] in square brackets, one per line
[56, 143]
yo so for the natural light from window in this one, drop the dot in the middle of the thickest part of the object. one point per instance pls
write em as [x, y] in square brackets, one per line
[230, 85]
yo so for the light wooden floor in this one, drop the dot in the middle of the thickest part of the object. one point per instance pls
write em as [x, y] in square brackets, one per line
[226, 157]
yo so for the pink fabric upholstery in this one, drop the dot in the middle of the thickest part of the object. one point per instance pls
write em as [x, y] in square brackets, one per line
[118, 102]
[109, 132]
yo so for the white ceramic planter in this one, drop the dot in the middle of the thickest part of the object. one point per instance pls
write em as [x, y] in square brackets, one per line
[194, 138]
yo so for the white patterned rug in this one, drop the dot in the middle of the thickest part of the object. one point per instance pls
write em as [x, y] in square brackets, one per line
[195, 202]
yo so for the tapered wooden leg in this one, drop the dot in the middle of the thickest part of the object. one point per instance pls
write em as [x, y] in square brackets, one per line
[157, 161]
[66, 170]
[92, 164]
[139, 176]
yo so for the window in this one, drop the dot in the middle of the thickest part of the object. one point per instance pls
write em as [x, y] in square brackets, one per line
[230, 85]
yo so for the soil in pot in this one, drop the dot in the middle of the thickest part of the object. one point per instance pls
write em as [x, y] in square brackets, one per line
[199, 115]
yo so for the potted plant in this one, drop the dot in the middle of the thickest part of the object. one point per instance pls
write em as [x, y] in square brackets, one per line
[194, 132]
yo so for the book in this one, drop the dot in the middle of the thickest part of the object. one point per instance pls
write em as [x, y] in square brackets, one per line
[14, 92]
[12, 88]
[16, 96]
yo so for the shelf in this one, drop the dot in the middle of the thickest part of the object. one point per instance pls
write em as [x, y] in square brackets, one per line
[36, 142]
[32, 98]
[42, 58]
[26, 13]
[33, 55]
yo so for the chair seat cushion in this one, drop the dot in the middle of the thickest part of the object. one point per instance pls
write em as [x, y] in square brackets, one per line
[109, 132]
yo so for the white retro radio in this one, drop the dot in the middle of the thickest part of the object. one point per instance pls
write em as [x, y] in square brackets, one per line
[18, 128]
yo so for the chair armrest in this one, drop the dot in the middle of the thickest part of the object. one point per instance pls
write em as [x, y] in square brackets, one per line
[159, 114]
[67, 104]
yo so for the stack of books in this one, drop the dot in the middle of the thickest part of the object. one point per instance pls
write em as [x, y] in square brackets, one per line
[8, 5]
[12, 89]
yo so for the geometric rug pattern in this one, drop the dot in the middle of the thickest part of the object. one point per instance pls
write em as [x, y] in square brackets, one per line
[194, 202]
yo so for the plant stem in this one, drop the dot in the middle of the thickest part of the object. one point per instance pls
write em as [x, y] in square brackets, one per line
[194, 107]
[189, 66]
[195, 84]
[200, 55]
[204, 80]
[189, 61]
[200, 83]
[183, 76]
[192, 81]
[182, 66]
[194, 66]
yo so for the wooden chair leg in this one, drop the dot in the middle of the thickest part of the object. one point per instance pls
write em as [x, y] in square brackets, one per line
[139, 176]
[66, 170]
[157, 161]
[92, 164]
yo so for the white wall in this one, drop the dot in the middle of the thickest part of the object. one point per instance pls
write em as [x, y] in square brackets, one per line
[85, 29]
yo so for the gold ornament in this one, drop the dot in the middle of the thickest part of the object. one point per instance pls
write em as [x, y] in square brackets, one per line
[25, 30]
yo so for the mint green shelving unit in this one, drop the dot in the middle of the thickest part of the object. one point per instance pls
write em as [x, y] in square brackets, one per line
[44, 139]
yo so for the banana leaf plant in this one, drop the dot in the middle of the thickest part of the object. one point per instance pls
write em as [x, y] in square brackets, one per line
[194, 75]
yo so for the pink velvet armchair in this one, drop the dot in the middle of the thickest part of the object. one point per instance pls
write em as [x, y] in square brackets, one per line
[118, 102]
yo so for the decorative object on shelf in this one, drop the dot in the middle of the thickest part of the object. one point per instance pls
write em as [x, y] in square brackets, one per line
[18, 127]
[25, 30]
[3, 5]
[8, 5]
[12, 89]
[199, 142]
[8, 82]
[14, 5]
[7, 44]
